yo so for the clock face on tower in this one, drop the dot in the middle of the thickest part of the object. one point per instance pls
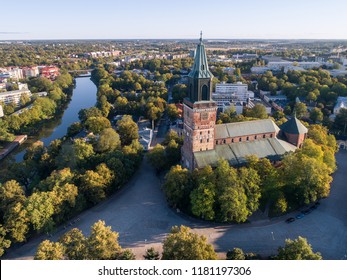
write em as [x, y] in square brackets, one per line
[204, 116]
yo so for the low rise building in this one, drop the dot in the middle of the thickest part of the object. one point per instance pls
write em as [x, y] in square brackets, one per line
[49, 72]
[13, 96]
[31, 72]
[341, 104]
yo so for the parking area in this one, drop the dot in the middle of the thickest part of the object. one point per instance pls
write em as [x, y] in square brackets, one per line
[141, 216]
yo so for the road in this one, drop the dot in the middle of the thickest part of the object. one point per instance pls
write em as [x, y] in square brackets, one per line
[140, 214]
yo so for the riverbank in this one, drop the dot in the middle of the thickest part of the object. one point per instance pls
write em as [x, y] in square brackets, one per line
[83, 96]
[8, 148]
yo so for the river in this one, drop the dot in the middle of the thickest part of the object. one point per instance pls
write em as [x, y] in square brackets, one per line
[84, 96]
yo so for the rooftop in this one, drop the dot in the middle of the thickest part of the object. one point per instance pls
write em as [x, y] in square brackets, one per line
[236, 153]
[294, 126]
[237, 129]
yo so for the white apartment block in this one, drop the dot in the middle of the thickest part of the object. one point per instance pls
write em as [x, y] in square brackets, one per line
[9, 97]
[238, 91]
[16, 74]
[278, 65]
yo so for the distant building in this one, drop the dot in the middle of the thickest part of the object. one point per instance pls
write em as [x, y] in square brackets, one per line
[1, 112]
[237, 105]
[31, 72]
[229, 70]
[231, 93]
[49, 72]
[9, 97]
[22, 86]
[251, 103]
[145, 133]
[16, 73]
[341, 104]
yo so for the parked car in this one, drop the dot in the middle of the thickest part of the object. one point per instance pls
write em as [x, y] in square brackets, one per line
[300, 216]
[290, 220]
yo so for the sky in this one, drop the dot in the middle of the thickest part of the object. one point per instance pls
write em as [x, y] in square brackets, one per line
[175, 19]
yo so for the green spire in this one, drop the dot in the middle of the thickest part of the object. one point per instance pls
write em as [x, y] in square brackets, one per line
[200, 68]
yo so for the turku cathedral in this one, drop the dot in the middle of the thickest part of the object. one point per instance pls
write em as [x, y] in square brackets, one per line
[205, 142]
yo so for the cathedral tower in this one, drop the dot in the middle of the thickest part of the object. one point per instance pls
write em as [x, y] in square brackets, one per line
[199, 110]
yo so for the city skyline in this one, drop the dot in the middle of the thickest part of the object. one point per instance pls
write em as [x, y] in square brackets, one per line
[181, 20]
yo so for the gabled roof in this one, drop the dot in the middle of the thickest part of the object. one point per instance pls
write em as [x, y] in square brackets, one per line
[200, 67]
[238, 129]
[294, 126]
[236, 153]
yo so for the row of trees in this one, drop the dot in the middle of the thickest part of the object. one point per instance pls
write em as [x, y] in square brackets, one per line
[229, 194]
[180, 244]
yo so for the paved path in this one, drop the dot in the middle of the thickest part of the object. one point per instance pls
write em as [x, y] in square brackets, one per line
[140, 214]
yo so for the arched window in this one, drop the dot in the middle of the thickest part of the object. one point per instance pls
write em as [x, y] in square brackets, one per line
[204, 92]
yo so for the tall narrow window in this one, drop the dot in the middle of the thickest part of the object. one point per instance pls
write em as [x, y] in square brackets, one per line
[204, 92]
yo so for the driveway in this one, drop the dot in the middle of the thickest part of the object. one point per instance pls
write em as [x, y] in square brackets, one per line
[140, 214]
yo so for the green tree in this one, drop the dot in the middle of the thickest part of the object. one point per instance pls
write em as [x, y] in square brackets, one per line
[182, 244]
[340, 122]
[258, 112]
[97, 124]
[306, 179]
[17, 222]
[202, 201]
[127, 129]
[316, 115]
[4, 242]
[298, 249]
[24, 99]
[250, 181]
[236, 254]
[172, 112]
[40, 209]
[300, 110]
[10, 193]
[85, 114]
[179, 92]
[173, 152]
[151, 254]
[157, 157]
[75, 245]
[103, 242]
[126, 254]
[231, 197]
[176, 186]
[74, 129]
[108, 141]
[48, 250]
[74, 154]
[95, 184]
[56, 178]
